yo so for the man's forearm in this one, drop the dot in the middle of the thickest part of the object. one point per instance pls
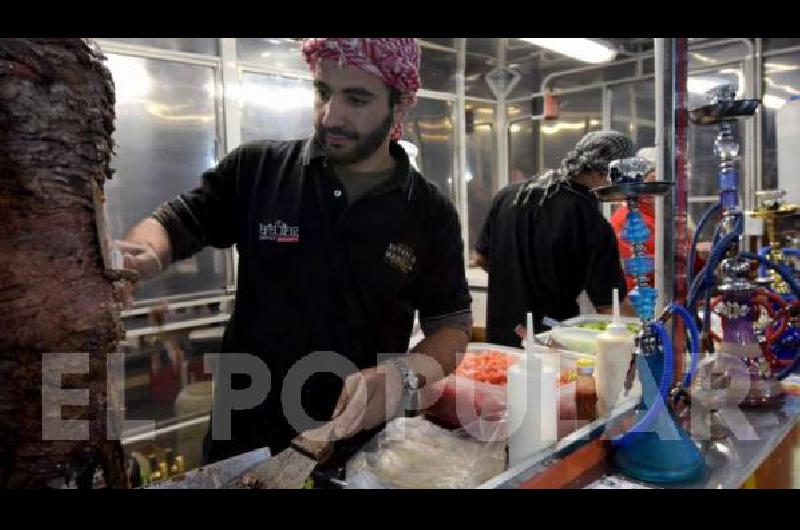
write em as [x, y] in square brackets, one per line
[445, 347]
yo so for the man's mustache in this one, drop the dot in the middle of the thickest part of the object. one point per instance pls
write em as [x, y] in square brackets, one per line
[338, 131]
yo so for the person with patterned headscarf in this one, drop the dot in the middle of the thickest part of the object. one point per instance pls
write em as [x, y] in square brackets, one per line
[341, 240]
[545, 241]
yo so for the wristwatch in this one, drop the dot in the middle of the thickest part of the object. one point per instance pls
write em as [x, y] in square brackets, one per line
[412, 383]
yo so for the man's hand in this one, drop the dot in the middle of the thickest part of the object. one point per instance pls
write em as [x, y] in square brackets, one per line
[140, 257]
[368, 398]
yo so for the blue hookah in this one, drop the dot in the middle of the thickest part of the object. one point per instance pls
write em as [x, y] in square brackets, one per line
[656, 449]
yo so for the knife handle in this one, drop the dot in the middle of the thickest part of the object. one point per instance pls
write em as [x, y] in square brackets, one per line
[319, 450]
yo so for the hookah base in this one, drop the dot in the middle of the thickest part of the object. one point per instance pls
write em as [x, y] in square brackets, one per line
[763, 394]
[707, 425]
[761, 401]
[662, 455]
[662, 461]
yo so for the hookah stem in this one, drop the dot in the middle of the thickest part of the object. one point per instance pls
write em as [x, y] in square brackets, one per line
[637, 249]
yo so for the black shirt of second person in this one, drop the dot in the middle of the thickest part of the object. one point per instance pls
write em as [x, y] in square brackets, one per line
[541, 257]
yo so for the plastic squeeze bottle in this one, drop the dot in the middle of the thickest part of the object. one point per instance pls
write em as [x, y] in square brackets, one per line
[613, 350]
[532, 402]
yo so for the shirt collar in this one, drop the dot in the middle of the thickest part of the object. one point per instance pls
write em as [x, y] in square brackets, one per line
[582, 190]
[402, 178]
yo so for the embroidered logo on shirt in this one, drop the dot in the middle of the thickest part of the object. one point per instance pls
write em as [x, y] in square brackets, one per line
[279, 232]
[401, 257]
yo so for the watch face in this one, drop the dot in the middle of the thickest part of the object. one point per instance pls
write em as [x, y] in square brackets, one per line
[411, 380]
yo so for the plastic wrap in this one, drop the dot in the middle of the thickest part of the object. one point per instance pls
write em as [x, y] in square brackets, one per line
[415, 453]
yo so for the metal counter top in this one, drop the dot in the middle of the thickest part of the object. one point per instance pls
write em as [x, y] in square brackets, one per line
[217, 475]
[728, 463]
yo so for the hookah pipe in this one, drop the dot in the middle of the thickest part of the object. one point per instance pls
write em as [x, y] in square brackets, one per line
[739, 298]
[641, 452]
[779, 317]
[771, 209]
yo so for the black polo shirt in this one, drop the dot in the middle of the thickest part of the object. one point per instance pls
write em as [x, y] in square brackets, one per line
[317, 273]
[541, 258]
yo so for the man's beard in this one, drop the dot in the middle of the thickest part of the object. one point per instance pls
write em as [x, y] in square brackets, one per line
[365, 145]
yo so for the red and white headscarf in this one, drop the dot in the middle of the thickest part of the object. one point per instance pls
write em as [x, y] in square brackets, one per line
[395, 61]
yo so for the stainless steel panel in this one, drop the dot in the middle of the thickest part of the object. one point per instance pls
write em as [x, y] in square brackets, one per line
[481, 174]
[205, 46]
[276, 107]
[282, 54]
[429, 126]
[166, 135]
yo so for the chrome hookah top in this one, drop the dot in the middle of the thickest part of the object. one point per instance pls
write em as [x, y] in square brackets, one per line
[627, 181]
[723, 106]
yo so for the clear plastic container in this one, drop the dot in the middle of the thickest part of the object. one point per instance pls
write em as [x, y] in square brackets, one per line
[478, 400]
[575, 338]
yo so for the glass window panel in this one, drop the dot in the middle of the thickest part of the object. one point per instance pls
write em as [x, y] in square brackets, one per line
[483, 46]
[437, 70]
[205, 46]
[271, 52]
[781, 83]
[696, 211]
[166, 130]
[475, 69]
[770, 44]
[429, 126]
[534, 64]
[579, 113]
[481, 174]
[530, 78]
[171, 388]
[611, 72]
[523, 145]
[703, 165]
[276, 107]
[449, 42]
[633, 111]
[714, 55]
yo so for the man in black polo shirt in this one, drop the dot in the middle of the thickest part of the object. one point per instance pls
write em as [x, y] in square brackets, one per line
[339, 241]
[545, 241]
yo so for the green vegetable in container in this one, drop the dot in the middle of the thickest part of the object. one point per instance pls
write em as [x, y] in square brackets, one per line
[601, 325]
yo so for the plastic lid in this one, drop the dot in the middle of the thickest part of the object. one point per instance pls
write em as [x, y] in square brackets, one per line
[616, 327]
[585, 366]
